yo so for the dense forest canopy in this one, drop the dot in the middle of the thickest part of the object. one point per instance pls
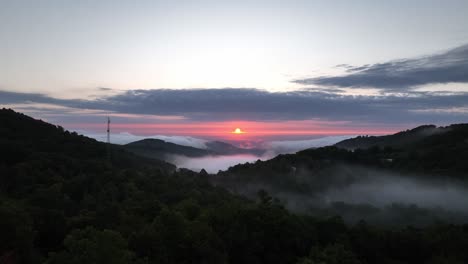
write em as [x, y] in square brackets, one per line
[63, 199]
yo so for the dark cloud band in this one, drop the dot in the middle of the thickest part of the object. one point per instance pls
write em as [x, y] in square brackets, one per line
[260, 105]
[447, 67]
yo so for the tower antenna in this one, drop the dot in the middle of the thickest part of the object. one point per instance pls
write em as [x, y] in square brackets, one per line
[108, 130]
[108, 139]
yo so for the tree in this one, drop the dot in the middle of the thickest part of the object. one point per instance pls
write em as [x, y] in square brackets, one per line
[92, 246]
[333, 254]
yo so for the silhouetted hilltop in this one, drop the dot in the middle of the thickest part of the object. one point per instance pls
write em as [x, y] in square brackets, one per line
[426, 149]
[24, 138]
[160, 149]
[305, 180]
[223, 148]
[399, 139]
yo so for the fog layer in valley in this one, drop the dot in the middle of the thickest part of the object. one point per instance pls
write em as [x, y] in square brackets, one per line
[355, 193]
[381, 189]
[213, 164]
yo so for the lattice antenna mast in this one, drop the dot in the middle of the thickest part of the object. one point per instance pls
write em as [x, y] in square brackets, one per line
[108, 139]
[108, 130]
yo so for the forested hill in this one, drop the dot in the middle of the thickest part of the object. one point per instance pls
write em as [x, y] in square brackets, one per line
[223, 148]
[400, 139]
[62, 201]
[159, 149]
[24, 139]
[319, 177]
[426, 150]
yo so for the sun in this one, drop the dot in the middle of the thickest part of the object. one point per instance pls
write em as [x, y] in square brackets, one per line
[238, 131]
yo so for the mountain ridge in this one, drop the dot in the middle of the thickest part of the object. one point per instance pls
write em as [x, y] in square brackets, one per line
[160, 149]
[22, 136]
[398, 139]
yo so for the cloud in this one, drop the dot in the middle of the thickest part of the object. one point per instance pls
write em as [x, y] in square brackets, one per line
[447, 67]
[7, 97]
[213, 164]
[254, 105]
[104, 89]
[381, 188]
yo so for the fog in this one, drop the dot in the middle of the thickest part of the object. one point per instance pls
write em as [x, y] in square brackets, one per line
[353, 192]
[382, 189]
[356, 192]
[213, 164]
[359, 185]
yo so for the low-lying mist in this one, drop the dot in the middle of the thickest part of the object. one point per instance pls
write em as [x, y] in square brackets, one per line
[381, 189]
[356, 192]
[213, 164]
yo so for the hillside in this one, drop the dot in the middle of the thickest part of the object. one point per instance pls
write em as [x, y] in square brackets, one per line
[159, 149]
[426, 149]
[400, 139]
[223, 148]
[315, 178]
[24, 138]
[63, 201]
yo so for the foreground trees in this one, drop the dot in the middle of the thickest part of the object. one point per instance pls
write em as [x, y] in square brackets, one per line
[62, 201]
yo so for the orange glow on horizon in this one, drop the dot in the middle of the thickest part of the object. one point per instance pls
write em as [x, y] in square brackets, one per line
[255, 129]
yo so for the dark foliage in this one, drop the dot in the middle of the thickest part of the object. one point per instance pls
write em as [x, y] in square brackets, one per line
[63, 201]
[426, 149]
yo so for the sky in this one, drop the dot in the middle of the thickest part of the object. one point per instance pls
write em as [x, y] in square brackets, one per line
[279, 70]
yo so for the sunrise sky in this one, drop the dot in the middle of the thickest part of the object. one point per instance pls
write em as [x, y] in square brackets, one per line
[275, 69]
